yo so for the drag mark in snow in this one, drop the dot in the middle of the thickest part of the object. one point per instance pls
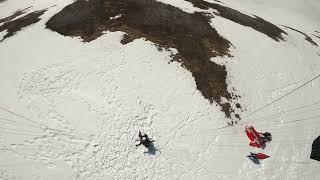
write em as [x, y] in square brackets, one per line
[167, 26]
[255, 22]
[16, 25]
[307, 38]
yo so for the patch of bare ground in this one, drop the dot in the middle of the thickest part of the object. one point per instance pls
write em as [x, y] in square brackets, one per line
[1, 1]
[166, 26]
[308, 38]
[255, 22]
[13, 26]
[14, 15]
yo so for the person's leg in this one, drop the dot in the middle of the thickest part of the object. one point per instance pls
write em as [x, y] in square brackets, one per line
[252, 158]
[140, 135]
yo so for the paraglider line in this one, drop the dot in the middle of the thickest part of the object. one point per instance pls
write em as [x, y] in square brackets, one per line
[281, 97]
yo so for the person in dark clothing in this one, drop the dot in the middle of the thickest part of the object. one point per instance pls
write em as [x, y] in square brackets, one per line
[144, 139]
[266, 137]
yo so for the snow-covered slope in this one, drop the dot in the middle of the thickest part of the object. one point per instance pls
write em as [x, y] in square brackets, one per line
[72, 110]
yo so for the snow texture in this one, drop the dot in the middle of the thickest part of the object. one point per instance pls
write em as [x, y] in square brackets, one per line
[86, 102]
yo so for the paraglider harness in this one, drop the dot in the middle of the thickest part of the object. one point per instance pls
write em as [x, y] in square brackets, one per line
[266, 137]
[144, 139]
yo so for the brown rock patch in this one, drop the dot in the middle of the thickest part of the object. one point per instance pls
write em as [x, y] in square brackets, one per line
[13, 26]
[14, 15]
[165, 25]
[255, 22]
[307, 38]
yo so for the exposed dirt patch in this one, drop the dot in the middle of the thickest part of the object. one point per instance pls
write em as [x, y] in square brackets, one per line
[165, 25]
[308, 38]
[1, 1]
[255, 22]
[238, 105]
[14, 15]
[16, 25]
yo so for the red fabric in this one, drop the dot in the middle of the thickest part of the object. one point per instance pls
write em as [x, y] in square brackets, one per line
[250, 135]
[254, 144]
[262, 156]
[254, 137]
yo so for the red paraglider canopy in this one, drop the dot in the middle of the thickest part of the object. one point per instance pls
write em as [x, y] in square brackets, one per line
[259, 156]
[254, 136]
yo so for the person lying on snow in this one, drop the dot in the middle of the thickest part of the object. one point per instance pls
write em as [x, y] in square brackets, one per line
[259, 156]
[257, 139]
[144, 139]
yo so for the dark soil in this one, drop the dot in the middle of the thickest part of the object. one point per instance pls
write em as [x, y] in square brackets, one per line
[16, 25]
[165, 25]
[14, 15]
[238, 105]
[308, 38]
[255, 22]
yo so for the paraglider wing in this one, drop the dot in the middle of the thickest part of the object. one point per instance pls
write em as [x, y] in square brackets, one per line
[249, 134]
[259, 156]
[254, 136]
[262, 156]
[315, 152]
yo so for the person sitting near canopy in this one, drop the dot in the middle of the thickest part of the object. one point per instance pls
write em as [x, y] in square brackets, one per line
[257, 139]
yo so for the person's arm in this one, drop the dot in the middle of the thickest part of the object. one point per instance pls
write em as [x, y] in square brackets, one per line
[253, 154]
[139, 144]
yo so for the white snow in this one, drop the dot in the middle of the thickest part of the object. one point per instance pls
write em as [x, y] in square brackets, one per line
[2, 34]
[304, 15]
[183, 5]
[100, 94]
[263, 74]
[116, 17]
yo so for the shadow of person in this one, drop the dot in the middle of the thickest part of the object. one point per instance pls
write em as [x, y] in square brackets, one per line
[253, 159]
[151, 149]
